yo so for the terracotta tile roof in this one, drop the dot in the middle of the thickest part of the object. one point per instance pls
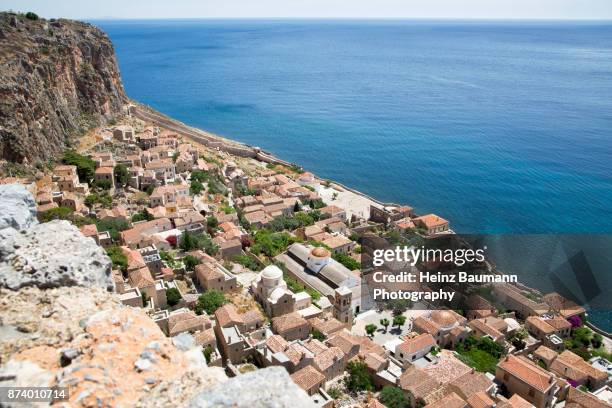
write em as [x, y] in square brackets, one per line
[374, 403]
[431, 220]
[375, 362]
[186, 321]
[448, 367]
[546, 353]
[288, 322]
[425, 325]
[480, 400]
[471, 383]
[294, 353]
[451, 400]
[573, 367]
[416, 344]
[205, 337]
[308, 378]
[208, 272]
[524, 370]
[482, 326]
[326, 359]
[541, 324]
[418, 382]
[141, 278]
[516, 401]
[276, 343]
[227, 316]
[315, 346]
[345, 341]
[584, 399]
[327, 326]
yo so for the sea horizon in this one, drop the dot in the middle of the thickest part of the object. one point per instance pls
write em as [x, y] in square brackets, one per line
[483, 101]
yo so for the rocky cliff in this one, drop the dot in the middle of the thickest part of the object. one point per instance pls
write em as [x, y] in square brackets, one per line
[62, 325]
[57, 78]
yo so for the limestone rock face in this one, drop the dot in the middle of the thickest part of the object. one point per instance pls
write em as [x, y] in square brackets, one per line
[52, 254]
[57, 79]
[270, 387]
[17, 207]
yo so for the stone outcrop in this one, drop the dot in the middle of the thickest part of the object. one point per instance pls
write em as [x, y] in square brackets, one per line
[52, 254]
[17, 207]
[271, 387]
[60, 326]
[57, 78]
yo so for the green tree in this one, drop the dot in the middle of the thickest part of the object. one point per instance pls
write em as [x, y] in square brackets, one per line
[399, 321]
[212, 223]
[347, 261]
[31, 16]
[142, 215]
[190, 262]
[122, 174]
[85, 166]
[358, 378]
[173, 296]
[188, 242]
[210, 301]
[118, 258]
[393, 397]
[196, 187]
[385, 323]
[371, 329]
[103, 184]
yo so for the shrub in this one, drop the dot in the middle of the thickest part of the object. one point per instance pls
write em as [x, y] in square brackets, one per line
[393, 397]
[358, 378]
[118, 258]
[247, 262]
[207, 351]
[57, 213]
[31, 16]
[347, 261]
[142, 215]
[371, 329]
[173, 296]
[210, 301]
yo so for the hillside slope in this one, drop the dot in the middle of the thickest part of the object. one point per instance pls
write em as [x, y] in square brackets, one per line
[57, 78]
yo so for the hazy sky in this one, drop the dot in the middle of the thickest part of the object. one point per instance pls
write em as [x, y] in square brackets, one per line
[495, 9]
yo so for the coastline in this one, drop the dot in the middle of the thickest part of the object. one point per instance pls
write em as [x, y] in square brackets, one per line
[211, 140]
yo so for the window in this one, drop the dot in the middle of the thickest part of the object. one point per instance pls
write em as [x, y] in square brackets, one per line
[506, 377]
[531, 392]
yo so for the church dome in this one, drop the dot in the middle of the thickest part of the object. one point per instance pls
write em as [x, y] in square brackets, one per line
[444, 318]
[271, 272]
[320, 252]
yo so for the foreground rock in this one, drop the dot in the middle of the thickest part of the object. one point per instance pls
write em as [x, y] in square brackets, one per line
[52, 254]
[267, 388]
[60, 326]
[17, 207]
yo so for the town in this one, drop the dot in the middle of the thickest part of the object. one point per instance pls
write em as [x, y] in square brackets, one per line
[260, 262]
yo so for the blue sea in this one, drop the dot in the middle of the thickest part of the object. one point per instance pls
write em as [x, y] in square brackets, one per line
[500, 127]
